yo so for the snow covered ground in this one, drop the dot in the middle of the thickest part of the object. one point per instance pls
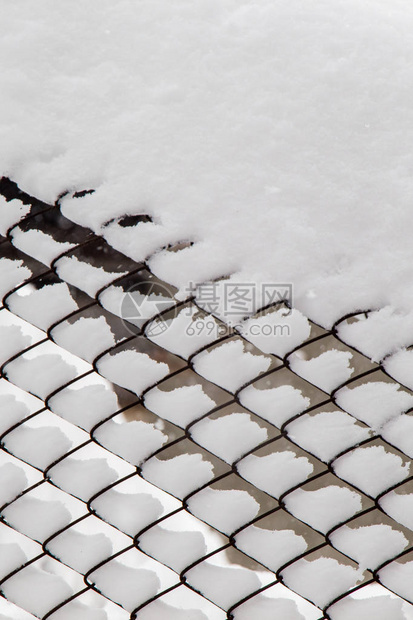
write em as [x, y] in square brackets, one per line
[272, 140]
[275, 135]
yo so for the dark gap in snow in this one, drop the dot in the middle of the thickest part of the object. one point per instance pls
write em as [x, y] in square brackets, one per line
[99, 254]
[47, 279]
[132, 220]
[11, 191]
[179, 245]
[146, 283]
[83, 192]
[9, 251]
[61, 229]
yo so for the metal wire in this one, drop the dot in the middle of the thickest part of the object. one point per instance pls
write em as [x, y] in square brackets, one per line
[319, 543]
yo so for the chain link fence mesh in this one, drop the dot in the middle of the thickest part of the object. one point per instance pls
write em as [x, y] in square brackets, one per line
[155, 473]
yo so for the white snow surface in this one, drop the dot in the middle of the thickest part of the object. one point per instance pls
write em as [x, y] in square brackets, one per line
[11, 557]
[298, 114]
[400, 367]
[371, 469]
[398, 577]
[36, 590]
[175, 549]
[158, 610]
[224, 510]
[180, 475]
[36, 518]
[132, 370]
[320, 580]
[229, 437]
[223, 585]
[182, 603]
[380, 334]
[187, 332]
[12, 341]
[327, 433]
[85, 402]
[75, 609]
[12, 274]
[399, 433]
[277, 405]
[325, 507]
[11, 213]
[37, 445]
[80, 551]
[111, 298]
[266, 609]
[377, 607]
[11, 411]
[40, 375]
[374, 403]
[13, 481]
[82, 478]
[86, 277]
[327, 371]
[43, 306]
[370, 545]
[399, 507]
[271, 548]
[229, 365]
[86, 337]
[276, 472]
[39, 244]
[181, 405]
[134, 441]
[126, 511]
[126, 585]
[285, 332]
[270, 600]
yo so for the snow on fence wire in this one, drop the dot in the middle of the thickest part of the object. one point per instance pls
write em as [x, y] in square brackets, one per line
[184, 474]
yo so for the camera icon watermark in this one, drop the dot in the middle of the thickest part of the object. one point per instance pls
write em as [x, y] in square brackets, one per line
[144, 301]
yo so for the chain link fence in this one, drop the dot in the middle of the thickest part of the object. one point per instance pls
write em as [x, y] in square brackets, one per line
[156, 463]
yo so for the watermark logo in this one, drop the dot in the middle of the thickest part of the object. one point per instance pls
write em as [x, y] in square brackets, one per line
[231, 302]
[210, 327]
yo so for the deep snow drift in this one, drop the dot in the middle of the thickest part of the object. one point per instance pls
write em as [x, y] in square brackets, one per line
[275, 135]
